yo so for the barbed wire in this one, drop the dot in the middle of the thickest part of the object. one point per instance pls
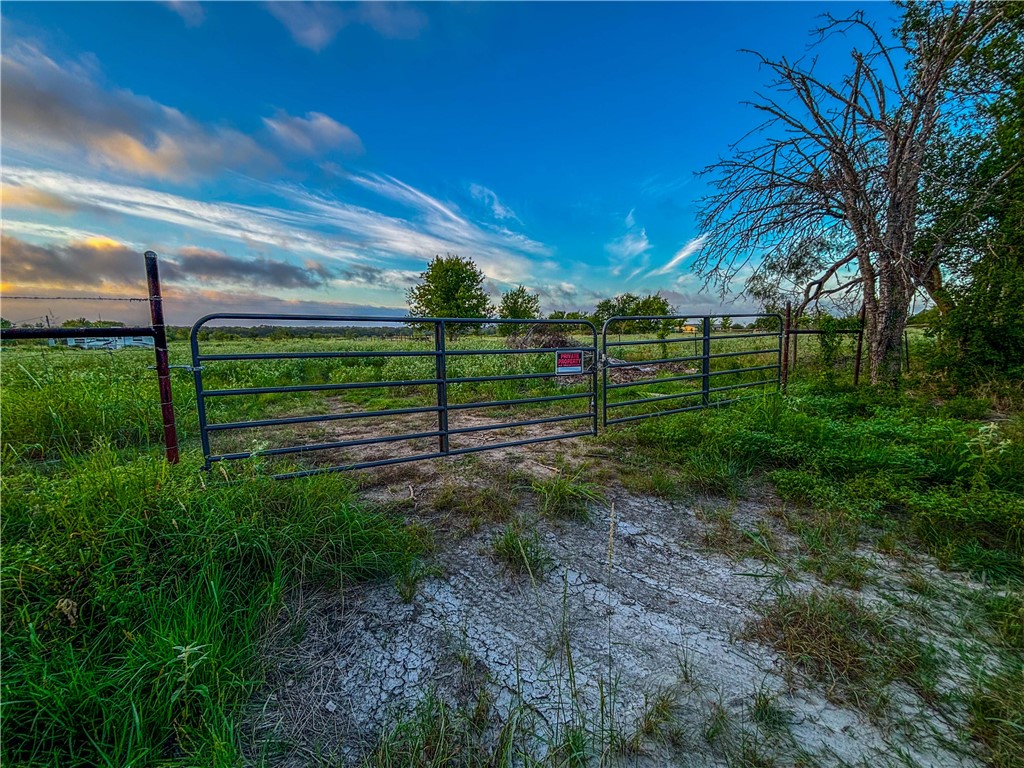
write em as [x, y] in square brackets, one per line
[75, 298]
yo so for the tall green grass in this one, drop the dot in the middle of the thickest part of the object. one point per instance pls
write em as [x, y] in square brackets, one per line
[135, 596]
[955, 486]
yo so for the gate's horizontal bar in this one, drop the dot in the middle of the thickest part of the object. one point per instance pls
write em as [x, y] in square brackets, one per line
[521, 401]
[712, 404]
[528, 441]
[318, 387]
[743, 386]
[539, 351]
[378, 353]
[509, 425]
[770, 350]
[321, 417]
[691, 376]
[644, 400]
[314, 355]
[657, 361]
[360, 465]
[670, 340]
[647, 382]
[507, 377]
[323, 446]
[731, 336]
[727, 371]
[691, 339]
[811, 331]
[422, 456]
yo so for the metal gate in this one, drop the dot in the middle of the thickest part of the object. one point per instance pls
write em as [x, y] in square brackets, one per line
[432, 408]
[655, 369]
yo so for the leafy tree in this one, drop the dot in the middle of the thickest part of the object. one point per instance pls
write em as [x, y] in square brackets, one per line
[725, 324]
[834, 196]
[626, 304]
[451, 287]
[5, 323]
[517, 304]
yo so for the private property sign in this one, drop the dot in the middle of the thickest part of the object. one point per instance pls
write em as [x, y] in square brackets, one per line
[568, 361]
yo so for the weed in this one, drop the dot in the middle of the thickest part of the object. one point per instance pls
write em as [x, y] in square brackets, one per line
[855, 651]
[567, 496]
[996, 715]
[521, 551]
[766, 711]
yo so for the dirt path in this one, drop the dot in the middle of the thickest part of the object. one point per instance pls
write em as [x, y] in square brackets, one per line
[634, 612]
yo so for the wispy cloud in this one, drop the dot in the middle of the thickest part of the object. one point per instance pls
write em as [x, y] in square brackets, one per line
[190, 10]
[318, 225]
[490, 200]
[314, 25]
[692, 247]
[312, 134]
[629, 246]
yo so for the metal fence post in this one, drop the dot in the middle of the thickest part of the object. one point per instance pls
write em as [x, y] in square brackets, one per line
[163, 372]
[784, 345]
[706, 363]
[441, 373]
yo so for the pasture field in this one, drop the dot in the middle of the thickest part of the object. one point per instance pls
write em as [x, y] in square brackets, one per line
[140, 599]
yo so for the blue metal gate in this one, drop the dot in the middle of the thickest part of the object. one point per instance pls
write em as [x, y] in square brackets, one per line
[656, 370]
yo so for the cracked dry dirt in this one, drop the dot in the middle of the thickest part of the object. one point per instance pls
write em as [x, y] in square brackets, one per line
[635, 603]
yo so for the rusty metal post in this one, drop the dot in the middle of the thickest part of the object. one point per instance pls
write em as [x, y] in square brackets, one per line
[163, 372]
[785, 345]
[860, 346]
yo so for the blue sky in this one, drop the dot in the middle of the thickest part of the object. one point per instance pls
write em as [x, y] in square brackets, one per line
[314, 157]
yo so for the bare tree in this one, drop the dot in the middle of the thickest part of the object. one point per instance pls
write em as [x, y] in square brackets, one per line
[830, 200]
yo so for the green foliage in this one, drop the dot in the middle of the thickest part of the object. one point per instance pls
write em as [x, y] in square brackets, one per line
[135, 595]
[450, 287]
[517, 304]
[631, 304]
[996, 711]
[850, 648]
[519, 547]
[982, 335]
[864, 461]
[567, 496]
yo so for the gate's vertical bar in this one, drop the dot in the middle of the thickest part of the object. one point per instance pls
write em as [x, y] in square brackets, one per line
[604, 373]
[794, 326]
[860, 346]
[593, 381]
[441, 373]
[163, 371]
[197, 377]
[705, 363]
[785, 345]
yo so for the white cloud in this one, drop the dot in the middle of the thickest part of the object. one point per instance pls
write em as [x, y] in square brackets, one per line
[628, 247]
[312, 134]
[681, 255]
[190, 10]
[489, 199]
[313, 224]
[314, 25]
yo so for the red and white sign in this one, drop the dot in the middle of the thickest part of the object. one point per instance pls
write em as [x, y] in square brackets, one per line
[568, 361]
